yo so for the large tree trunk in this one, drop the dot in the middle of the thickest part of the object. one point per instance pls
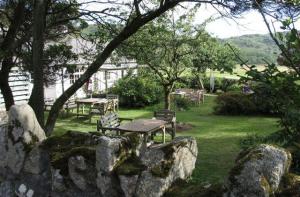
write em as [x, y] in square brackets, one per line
[167, 98]
[36, 100]
[128, 31]
[4, 85]
[7, 48]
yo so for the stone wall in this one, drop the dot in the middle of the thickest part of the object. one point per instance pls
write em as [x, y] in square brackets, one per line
[86, 164]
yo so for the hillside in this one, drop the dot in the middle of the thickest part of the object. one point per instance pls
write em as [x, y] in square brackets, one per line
[255, 48]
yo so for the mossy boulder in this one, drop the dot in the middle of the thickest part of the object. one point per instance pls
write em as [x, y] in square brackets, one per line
[71, 144]
[166, 164]
[289, 186]
[258, 171]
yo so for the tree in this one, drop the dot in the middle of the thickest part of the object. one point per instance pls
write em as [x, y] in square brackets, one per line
[11, 25]
[172, 48]
[36, 100]
[24, 31]
[281, 88]
[128, 17]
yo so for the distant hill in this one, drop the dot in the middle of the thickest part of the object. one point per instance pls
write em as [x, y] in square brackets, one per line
[255, 48]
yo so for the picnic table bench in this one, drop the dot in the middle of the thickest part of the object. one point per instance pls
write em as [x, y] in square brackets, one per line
[110, 122]
[146, 127]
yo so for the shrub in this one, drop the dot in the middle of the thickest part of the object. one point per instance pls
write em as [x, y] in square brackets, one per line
[222, 84]
[182, 103]
[264, 99]
[135, 91]
[234, 104]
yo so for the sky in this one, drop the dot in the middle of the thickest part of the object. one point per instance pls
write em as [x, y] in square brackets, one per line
[249, 23]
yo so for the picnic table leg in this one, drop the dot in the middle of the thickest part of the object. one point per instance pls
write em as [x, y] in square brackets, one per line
[164, 134]
[90, 113]
[77, 110]
[145, 138]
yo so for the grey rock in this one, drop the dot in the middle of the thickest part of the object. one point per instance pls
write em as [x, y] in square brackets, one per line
[37, 161]
[108, 153]
[24, 125]
[170, 162]
[15, 156]
[127, 184]
[75, 165]
[104, 183]
[3, 145]
[7, 189]
[57, 181]
[3, 117]
[22, 132]
[258, 172]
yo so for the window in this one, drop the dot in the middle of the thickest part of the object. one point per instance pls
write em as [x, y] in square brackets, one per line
[107, 75]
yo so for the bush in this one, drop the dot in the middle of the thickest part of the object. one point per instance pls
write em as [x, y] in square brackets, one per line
[264, 99]
[234, 104]
[135, 91]
[222, 84]
[182, 103]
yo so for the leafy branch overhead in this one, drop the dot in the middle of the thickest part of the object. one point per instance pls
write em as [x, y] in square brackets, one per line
[116, 21]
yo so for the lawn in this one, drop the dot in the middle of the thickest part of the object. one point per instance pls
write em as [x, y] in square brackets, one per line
[239, 71]
[218, 137]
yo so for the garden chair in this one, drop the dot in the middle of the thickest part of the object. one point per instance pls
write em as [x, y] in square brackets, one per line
[168, 116]
[110, 122]
[98, 109]
[115, 101]
[196, 96]
[70, 105]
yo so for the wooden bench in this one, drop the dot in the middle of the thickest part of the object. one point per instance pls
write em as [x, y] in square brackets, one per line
[170, 117]
[110, 122]
[67, 107]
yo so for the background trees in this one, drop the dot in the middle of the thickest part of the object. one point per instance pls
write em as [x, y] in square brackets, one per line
[122, 19]
[173, 48]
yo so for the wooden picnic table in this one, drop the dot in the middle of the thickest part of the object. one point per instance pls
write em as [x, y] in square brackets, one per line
[90, 102]
[145, 127]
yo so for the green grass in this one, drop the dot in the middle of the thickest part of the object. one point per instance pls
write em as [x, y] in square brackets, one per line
[218, 137]
[239, 71]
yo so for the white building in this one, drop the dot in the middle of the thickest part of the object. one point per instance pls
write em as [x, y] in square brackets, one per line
[105, 78]
[102, 80]
[20, 85]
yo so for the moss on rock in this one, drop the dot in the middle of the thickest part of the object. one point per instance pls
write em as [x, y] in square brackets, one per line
[162, 170]
[289, 185]
[243, 157]
[265, 185]
[59, 160]
[72, 143]
[131, 166]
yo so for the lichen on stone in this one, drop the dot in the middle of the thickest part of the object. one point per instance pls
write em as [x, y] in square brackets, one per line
[243, 157]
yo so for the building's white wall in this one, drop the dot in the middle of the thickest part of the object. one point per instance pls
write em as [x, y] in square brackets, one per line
[20, 86]
[97, 83]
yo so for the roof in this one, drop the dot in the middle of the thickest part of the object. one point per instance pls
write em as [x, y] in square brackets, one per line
[87, 51]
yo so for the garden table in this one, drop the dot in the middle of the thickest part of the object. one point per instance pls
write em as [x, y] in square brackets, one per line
[145, 127]
[90, 102]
